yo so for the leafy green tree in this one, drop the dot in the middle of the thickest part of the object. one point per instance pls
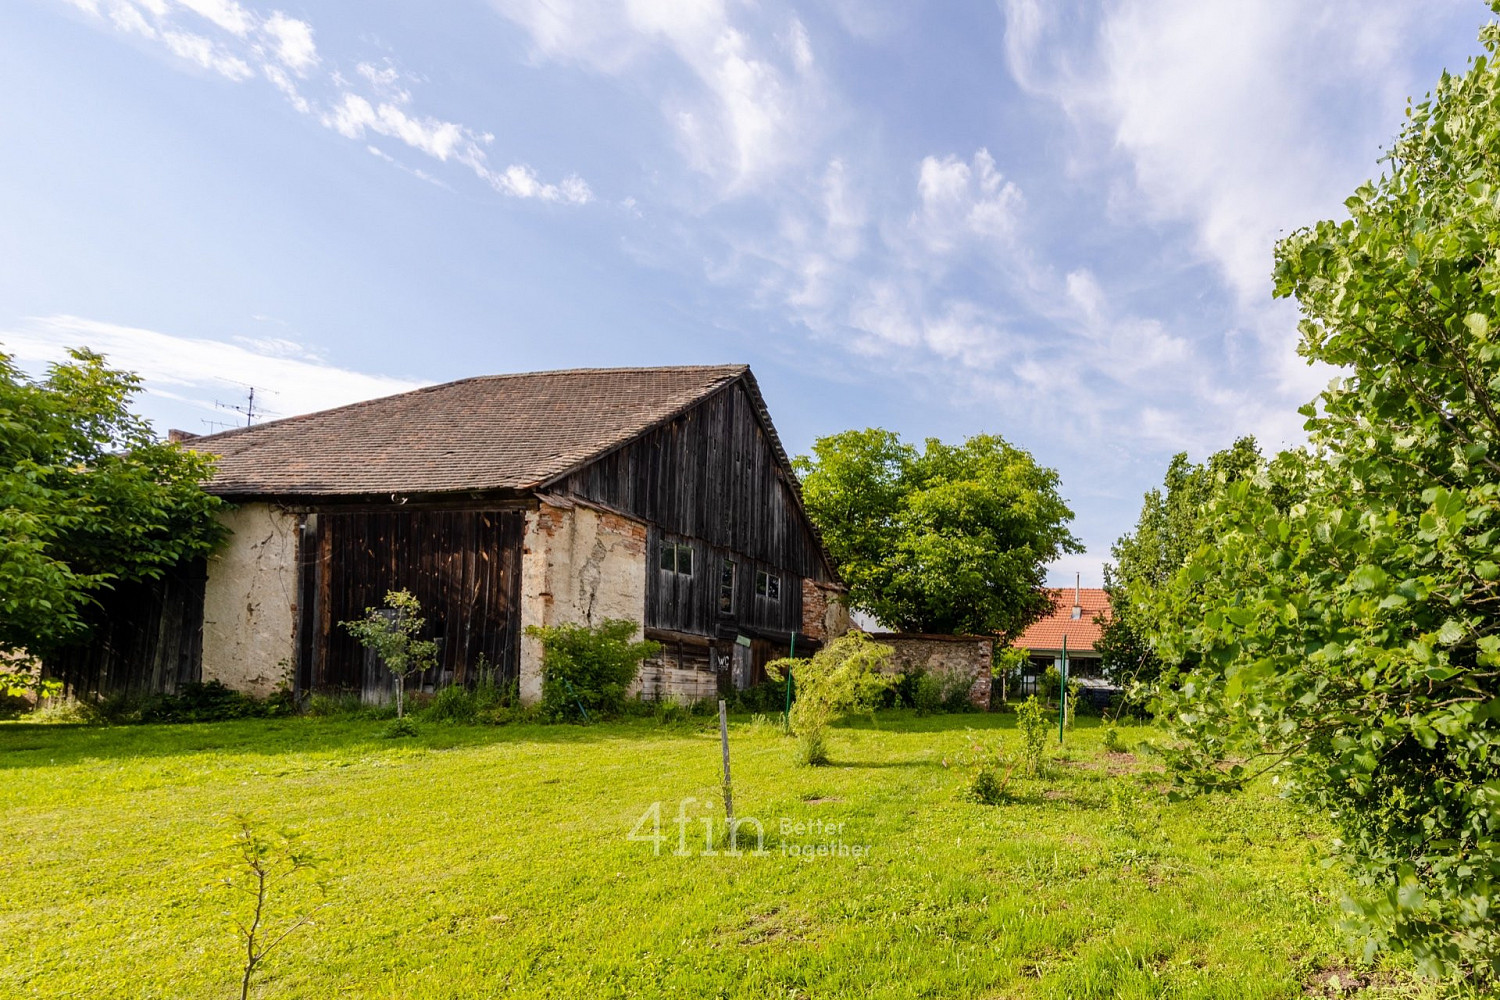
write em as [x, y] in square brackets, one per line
[1171, 525]
[391, 633]
[89, 498]
[847, 675]
[589, 667]
[1345, 620]
[949, 539]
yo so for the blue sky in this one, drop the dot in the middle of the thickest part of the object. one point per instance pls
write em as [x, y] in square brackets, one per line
[1047, 220]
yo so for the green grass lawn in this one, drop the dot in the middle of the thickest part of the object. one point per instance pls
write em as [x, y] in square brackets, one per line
[478, 862]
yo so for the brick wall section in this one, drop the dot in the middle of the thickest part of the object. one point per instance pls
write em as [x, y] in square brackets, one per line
[824, 613]
[965, 655]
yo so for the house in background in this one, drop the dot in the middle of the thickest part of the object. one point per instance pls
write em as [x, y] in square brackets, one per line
[658, 495]
[1076, 614]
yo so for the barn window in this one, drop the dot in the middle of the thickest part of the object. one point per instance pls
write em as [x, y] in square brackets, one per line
[768, 585]
[726, 587]
[677, 559]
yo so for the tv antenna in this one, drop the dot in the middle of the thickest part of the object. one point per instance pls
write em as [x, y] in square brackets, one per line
[249, 408]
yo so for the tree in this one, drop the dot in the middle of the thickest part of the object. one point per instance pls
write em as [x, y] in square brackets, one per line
[89, 498]
[847, 675]
[1171, 525]
[948, 539]
[1347, 612]
[391, 633]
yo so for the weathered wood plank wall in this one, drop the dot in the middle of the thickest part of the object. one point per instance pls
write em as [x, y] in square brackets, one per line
[710, 474]
[463, 565]
[710, 479]
[145, 638]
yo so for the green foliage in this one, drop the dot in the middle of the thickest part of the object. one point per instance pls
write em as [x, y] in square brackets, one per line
[1112, 741]
[1033, 723]
[847, 675]
[986, 768]
[767, 698]
[587, 669]
[210, 701]
[926, 692]
[88, 498]
[260, 864]
[1172, 524]
[949, 539]
[1344, 626]
[400, 728]
[391, 632]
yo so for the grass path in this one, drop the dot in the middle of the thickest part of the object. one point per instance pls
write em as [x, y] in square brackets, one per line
[475, 862]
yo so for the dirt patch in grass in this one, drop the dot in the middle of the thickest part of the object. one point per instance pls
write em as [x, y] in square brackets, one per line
[1343, 980]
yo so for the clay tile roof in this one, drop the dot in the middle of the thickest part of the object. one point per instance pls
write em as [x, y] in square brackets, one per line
[496, 432]
[1047, 634]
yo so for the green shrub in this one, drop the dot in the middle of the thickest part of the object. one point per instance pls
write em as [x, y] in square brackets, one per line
[955, 693]
[587, 669]
[211, 701]
[1112, 741]
[987, 771]
[926, 693]
[847, 675]
[1033, 724]
[400, 727]
[767, 697]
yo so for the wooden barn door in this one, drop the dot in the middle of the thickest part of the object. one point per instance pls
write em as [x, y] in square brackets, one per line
[463, 566]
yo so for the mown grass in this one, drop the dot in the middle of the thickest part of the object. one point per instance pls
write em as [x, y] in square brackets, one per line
[489, 862]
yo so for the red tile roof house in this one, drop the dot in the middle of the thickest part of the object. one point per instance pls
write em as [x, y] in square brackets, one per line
[659, 495]
[1075, 615]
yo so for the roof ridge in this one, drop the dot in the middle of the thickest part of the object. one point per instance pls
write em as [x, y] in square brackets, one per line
[737, 368]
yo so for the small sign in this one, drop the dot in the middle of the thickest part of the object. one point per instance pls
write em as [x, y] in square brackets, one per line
[742, 640]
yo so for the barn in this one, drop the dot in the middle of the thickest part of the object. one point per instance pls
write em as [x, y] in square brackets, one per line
[658, 495]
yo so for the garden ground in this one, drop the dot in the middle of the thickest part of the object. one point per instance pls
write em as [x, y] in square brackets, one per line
[498, 861]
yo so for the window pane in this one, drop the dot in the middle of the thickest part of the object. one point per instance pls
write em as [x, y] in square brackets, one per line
[726, 587]
[668, 557]
[773, 588]
[684, 560]
[760, 584]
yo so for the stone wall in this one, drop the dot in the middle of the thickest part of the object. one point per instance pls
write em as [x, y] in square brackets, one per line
[579, 565]
[825, 613]
[966, 656]
[250, 601]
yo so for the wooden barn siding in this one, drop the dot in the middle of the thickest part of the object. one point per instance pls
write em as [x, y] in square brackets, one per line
[463, 565]
[692, 604]
[145, 638]
[710, 474]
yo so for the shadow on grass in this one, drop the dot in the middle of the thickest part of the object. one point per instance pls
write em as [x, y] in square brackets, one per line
[25, 744]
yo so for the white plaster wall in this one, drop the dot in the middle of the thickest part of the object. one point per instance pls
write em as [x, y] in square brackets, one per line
[250, 600]
[578, 566]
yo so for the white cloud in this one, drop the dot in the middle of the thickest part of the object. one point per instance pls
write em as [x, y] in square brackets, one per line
[226, 14]
[198, 370]
[1234, 118]
[202, 51]
[280, 46]
[965, 199]
[292, 41]
[748, 116]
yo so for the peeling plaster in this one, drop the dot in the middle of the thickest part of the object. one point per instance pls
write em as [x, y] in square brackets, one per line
[250, 600]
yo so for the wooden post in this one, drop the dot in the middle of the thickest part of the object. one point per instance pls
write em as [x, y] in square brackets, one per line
[728, 789]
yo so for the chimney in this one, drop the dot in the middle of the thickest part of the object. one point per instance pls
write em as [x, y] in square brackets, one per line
[1077, 596]
[175, 436]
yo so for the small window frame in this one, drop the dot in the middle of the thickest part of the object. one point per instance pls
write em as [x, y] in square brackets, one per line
[728, 577]
[768, 586]
[676, 558]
